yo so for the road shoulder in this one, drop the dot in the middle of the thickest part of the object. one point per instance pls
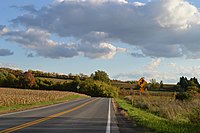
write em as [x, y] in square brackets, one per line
[125, 123]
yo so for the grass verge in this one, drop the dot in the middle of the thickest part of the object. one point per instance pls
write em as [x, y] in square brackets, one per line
[156, 123]
[19, 107]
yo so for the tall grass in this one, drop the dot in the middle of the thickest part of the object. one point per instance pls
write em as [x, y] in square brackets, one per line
[168, 107]
[156, 123]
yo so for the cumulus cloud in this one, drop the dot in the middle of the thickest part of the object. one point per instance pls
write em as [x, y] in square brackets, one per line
[39, 41]
[178, 14]
[158, 28]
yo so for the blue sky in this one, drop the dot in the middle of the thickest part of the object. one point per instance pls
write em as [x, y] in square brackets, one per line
[128, 39]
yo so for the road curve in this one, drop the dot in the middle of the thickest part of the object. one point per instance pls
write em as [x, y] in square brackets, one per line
[91, 115]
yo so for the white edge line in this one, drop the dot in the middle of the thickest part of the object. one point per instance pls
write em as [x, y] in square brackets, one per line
[38, 108]
[108, 122]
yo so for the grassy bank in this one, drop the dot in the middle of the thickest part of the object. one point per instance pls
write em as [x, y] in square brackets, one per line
[157, 123]
[21, 99]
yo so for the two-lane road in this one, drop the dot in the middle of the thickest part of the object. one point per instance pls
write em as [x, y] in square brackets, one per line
[95, 115]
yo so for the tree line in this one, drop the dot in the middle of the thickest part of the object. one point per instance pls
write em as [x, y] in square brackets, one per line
[98, 84]
[37, 73]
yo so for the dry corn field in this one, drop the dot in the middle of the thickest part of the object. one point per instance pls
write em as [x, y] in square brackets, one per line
[10, 96]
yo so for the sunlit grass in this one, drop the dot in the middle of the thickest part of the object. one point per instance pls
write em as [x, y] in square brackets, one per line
[157, 123]
[166, 106]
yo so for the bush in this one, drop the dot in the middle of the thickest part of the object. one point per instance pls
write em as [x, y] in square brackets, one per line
[98, 88]
[184, 96]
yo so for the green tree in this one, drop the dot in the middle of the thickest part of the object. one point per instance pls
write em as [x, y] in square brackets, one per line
[11, 80]
[183, 83]
[194, 81]
[101, 76]
[3, 77]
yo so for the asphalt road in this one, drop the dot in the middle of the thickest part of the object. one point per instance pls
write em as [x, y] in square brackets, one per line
[92, 115]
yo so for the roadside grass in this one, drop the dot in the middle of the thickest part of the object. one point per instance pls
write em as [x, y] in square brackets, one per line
[22, 99]
[157, 123]
[168, 107]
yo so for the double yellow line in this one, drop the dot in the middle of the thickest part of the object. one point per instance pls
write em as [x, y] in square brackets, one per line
[12, 129]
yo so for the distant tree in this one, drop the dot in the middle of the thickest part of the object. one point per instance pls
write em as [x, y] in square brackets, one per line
[154, 84]
[92, 76]
[101, 76]
[76, 83]
[195, 81]
[183, 83]
[70, 75]
[29, 80]
[161, 84]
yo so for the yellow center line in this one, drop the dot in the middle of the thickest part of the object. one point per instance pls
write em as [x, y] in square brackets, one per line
[12, 129]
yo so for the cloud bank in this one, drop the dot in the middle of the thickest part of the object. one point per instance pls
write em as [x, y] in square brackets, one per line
[160, 28]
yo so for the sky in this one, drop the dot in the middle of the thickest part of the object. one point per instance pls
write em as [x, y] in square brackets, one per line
[128, 39]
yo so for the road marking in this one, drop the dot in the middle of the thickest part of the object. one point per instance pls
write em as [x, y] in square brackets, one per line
[108, 122]
[39, 108]
[12, 129]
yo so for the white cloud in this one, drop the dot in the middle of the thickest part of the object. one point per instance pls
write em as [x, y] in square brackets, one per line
[148, 75]
[178, 14]
[3, 29]
[158, 28]
[138, 4]
[153, 64]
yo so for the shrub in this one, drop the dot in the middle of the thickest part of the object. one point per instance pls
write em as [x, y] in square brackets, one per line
[184, 96]
[98, 88]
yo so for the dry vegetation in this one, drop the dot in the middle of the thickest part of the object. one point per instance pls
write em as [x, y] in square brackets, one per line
[10, 97]
[168, 107]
